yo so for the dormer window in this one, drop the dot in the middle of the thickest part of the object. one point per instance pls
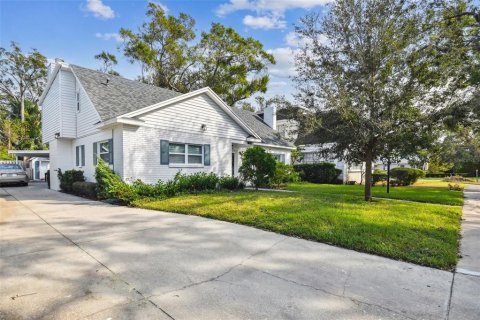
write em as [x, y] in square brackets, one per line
[78, 101]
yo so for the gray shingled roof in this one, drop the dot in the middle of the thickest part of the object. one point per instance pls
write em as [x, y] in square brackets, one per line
[120, 95]
[267, 134]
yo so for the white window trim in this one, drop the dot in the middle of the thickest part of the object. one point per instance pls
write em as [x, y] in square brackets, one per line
[186, 154]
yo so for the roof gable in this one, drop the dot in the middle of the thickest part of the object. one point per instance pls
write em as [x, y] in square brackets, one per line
[119, 95]
[264, 132]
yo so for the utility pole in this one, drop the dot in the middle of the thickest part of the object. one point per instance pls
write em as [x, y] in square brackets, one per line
[388, 175]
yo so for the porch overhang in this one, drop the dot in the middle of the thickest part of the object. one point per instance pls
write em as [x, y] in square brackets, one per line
[30, 153]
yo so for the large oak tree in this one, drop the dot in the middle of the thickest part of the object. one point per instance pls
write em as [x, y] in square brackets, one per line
[173, 57]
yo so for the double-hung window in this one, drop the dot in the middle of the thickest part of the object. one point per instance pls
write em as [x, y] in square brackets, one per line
[80, 156]
[183, 153]
[104, 151]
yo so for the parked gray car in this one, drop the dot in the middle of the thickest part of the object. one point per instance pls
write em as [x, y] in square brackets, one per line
[11, 173]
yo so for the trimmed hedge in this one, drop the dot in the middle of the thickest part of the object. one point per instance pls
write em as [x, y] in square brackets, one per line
[379, 176]
[68, 178]
[436, 175]
[230, 183]
[406, 176]
[85, 189]
[323, 172]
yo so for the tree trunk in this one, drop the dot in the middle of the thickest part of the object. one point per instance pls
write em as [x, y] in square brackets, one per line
[368, 178]
[22, 108]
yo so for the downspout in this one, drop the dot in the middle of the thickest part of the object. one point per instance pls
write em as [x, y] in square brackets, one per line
[113, 162]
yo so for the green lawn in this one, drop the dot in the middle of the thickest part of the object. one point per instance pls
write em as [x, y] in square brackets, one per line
[438, 193]
[422, 233]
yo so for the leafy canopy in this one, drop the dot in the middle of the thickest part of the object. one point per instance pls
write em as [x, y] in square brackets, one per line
[172, 57]
[22, 77]
[369, 70]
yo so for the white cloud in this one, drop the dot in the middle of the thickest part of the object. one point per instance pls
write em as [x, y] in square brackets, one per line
[99, 9]
[274, 6]
[277, 84]
[294, 40]
[264, 22]
[161, 5]
[269, 13]
[285, 66]
[109, 36]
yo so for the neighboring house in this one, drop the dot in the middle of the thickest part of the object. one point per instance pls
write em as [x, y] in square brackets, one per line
[309, 148]
[142, 131]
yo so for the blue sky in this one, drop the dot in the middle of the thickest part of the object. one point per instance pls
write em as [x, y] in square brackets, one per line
[77, 30]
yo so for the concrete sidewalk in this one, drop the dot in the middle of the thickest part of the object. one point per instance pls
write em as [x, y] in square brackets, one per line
[63, 257]
[465, 302]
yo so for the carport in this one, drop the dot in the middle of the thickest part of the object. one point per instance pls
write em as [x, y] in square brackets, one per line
[35, 162]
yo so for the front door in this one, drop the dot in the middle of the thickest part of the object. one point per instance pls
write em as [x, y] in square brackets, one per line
[233, 164]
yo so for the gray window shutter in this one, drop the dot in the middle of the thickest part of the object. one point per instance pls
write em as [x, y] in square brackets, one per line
[95, 149]
[77, 156]
[206, 154]
[83, 155]
[110, 151]
[164, 146]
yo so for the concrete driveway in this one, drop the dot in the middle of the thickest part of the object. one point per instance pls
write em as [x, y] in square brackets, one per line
[64, 257]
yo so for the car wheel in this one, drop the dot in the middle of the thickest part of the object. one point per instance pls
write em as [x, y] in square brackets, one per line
[25, 184]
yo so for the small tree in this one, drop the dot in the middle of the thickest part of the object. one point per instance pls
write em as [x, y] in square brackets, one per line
[362, 71]
[258, 166]
[108, 60]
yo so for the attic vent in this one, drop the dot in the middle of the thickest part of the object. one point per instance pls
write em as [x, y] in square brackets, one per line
[105, 81]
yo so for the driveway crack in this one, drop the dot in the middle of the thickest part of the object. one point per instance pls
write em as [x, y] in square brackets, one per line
[335, 295]
[260, 252]
[447, 316]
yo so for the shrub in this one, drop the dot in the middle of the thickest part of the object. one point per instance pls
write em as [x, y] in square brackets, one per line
[108, 182]
[455, 179]
[406, 176]
[379, 176]
[455, 187]
[230, 183]
[323, 172]
[258, 166]
[435, 175]
[199, 181]
[284, 174]
[85, 189]
[68, 177]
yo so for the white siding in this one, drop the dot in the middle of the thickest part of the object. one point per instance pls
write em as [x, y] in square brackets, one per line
[68, 104]
[188, 117]
[89, 168]
[141, 154]
[88, 116]
[51, 112]
[60, 158]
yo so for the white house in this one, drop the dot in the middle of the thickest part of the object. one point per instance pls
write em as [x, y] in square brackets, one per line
[145, 132]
